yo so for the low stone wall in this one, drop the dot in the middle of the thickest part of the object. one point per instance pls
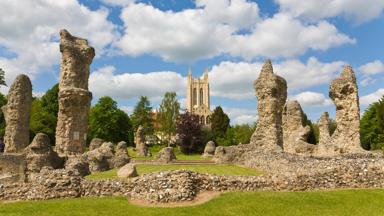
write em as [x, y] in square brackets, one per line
[12, 167]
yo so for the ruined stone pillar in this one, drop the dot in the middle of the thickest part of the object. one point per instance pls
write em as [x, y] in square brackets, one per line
[325, 146]
[344, 93]
[17, 113]
[141, 147]
[74, 97]
[271, 92]
[295, 130]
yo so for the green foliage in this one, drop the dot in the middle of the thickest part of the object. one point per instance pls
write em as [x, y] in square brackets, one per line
[372, 126]
[3, 101]
[44, 114]
[313, 136]
[142, 115]
[219, 123]
[168, 113]
[239, 134]
[2, 78]
[108, 122]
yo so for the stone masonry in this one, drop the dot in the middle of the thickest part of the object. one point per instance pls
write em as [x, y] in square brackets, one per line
[74, 97]
[271, 92]
[141, 148]
[17, 113]
[295, 130]
[344, 93]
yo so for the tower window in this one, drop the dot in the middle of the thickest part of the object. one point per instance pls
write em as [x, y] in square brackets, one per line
[201, 97]
[194, 96]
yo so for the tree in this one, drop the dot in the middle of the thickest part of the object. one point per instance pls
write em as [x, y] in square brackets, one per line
[236, 135]
[372, 126]
[168, 113]
[2, 78]
[189, 129]
[219, 122]
[3, 101]
[44, 114]
[142, 115]
[108, 122]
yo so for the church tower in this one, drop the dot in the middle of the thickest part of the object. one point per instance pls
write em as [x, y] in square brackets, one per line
[198, 97]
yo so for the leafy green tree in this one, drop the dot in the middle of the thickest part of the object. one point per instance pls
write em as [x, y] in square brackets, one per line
[3, 101]
[2, 78]
[189, 129]
[372, 126]
[44, 114]
[236, 135]
[168, 113]
[108, 122]
[219, 122]
[142, 115]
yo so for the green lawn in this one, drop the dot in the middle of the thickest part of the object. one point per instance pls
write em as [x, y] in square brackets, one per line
[156, 148]
[201, 168]
[327, 203]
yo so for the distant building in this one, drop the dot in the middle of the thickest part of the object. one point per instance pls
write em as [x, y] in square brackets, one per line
[198, 97]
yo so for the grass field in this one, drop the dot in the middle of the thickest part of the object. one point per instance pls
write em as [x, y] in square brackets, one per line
[201, 168]
[155, 149]
[327, 203]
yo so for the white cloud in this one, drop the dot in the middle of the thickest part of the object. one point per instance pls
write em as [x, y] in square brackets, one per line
[117, 2]
[235, 80]
[373, 97]
[241, 115]
[309, 98]
[213, 29]
[357, 10]
[103, 82]
[31, 32]
[127, 109]
[372, 68]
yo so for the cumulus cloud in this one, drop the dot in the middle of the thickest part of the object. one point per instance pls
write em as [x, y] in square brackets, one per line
[309, 98]
[241, 115]
[31, 35]
[217, 27]
[372, 68]
[235, 80]
[357, 10]
[117, 2]
[104, 82]
[373, 97]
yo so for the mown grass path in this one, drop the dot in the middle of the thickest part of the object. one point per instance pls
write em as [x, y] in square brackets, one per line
[315, 203]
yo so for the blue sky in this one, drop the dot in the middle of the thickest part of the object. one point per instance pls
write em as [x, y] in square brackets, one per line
[145, 47]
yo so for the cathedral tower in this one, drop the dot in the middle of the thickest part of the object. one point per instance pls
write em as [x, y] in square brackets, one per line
[198, 101]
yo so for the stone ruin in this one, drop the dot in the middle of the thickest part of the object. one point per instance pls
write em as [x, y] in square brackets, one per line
[209, 149]
[74, 97]
[141, 147]
[271, 91]
[17, 112]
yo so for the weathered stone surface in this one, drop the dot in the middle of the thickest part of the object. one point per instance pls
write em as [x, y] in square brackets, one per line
[209, 149]
[295, 130]
[271, 92]
[344, 93]
[17, 112]
[40, 154]
[141, 147]
[166, 155]
[325, 147]
[100, 159]
[78, 166]
[95, 143]
[74, 97]
[13, 168]
[127, 171]
[121, 155]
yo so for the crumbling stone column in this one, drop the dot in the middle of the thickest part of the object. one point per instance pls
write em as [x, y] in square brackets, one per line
[295, 130]
[17, 114]
[271, 92]
[344, 93]
[141, 147]
[325, 146]
[74, 97]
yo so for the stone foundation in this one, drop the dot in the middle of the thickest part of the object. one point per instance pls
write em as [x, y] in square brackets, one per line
[12, 168]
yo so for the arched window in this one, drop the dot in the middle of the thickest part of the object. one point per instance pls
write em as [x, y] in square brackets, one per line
[194, 96]
[202, 120]
[208, 120]
[201, 97]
